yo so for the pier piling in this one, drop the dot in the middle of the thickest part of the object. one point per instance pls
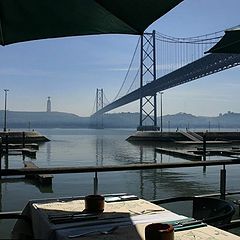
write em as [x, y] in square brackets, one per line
[6, 143]
[204, 147]
[23, 139]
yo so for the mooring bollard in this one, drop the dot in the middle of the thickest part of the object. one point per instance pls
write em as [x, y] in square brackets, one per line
[223, 182]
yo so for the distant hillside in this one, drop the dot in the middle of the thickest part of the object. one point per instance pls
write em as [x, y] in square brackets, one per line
[43, 119]
[183, 120]
[17, 119]
[123, 120]
[179, 120]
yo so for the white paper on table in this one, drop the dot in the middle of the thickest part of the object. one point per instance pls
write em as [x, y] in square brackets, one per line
[165, 216]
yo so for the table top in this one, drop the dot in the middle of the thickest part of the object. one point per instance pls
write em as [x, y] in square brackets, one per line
[126, 217]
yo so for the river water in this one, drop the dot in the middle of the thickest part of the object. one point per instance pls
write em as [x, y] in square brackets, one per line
[90, 147]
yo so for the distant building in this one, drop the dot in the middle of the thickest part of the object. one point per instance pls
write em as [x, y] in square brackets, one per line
[49, 105]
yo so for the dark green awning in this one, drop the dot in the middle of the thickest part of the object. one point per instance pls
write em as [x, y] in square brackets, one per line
[230, 42]
[24, 20]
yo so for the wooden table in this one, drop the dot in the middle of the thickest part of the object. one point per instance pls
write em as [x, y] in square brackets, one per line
[130, 215]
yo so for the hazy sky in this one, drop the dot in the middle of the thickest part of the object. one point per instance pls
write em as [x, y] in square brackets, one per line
[70, 69]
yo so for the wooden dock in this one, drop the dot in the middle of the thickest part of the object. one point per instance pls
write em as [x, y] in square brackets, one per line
[29, 152]
[180, 153]
[201, 143]
[41, 178]
[217, 152]
[19, 145]
[21, 151]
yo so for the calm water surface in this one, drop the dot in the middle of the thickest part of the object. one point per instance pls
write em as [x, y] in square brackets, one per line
[89, 147]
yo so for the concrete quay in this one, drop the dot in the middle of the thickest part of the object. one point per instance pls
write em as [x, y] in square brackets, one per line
[20, 137]
[179, 136]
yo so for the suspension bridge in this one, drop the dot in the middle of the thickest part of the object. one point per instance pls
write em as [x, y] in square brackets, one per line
[165, 62]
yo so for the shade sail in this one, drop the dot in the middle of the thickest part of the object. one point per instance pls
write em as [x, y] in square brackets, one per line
[230, 42]
[24, 20]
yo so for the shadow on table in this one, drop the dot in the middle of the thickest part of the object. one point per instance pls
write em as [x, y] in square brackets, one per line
[76, 225]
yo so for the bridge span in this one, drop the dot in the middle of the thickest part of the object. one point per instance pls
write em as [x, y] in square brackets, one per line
[207, 65]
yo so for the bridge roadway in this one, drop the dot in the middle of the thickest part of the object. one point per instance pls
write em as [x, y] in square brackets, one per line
[207, 65]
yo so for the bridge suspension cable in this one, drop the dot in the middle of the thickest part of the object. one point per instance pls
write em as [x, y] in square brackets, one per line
[128, 71]
[105, 100]
[175, 52]
[172, 53]
[94, 106]
[134, 83]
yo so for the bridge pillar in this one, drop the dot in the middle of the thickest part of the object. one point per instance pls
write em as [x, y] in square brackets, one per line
[148, 104]
[97, 120]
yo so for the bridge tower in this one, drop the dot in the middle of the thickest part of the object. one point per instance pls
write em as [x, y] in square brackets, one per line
[99, 105]
[148, 104]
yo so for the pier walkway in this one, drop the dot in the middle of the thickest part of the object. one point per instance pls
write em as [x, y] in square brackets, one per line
[190, 135]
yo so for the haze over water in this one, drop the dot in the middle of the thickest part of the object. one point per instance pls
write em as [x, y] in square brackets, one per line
[90, 147]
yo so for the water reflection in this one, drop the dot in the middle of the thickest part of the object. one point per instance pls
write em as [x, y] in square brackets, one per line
[6, 162]
[144, 155]
[108, 147]
[88, 147]
[169, 182]
[48, 144]
[99, 160]
[1, 197]
[43, 188]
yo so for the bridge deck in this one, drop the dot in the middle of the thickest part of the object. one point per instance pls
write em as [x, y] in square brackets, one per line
[202, 67]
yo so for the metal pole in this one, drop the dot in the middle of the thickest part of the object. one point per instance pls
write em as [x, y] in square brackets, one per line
[223, 182]
[0, 159]
[23, 139]
[154, 78]
[95, 184]
[141, 80]
[101, 108]
[161, 113]
[5, 110]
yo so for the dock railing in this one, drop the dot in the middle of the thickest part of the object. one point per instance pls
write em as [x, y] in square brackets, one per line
[130, 167]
